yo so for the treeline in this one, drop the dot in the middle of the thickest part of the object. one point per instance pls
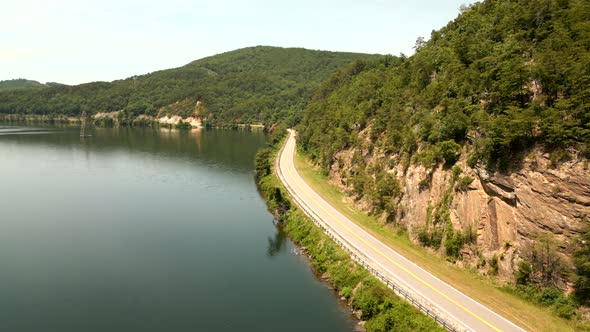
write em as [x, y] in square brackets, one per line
[503, 76]
[252, 85]
[19, 83]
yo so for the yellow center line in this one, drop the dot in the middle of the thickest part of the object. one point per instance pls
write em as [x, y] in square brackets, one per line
[391, 260]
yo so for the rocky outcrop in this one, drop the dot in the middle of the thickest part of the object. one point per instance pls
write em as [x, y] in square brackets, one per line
[177, 119]
[508, 211]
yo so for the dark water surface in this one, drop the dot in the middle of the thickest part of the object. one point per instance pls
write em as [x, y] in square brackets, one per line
[146, 230]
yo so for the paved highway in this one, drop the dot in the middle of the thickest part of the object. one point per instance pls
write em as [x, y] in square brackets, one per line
[464, 313]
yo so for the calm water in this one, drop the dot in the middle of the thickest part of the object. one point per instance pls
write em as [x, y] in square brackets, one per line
[146, 230]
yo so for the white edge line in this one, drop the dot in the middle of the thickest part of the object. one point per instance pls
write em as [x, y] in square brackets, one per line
[292, 132]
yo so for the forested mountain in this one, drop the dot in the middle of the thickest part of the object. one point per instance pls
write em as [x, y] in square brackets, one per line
[503, 76]
[251, 85]
[19, 84]
[486, 127]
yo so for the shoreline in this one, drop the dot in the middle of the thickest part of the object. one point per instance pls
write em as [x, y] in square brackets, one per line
[110, 122]
[375, 305]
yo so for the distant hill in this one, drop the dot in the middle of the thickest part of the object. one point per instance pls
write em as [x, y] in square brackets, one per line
[20, 83]
[250, 85]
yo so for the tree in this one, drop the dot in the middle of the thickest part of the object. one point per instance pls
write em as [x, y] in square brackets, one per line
[582, 265]
[420, 42]
[544, 261]
[523, 272]
[262, 163]
[449, 151]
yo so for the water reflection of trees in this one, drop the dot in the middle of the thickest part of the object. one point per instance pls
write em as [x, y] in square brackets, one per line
[276, 244]
[233, 149]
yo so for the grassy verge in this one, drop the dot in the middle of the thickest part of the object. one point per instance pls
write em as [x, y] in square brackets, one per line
[381, 308]
[527, 315]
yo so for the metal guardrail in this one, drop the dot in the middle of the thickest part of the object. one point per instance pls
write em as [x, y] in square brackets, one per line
[361, 260]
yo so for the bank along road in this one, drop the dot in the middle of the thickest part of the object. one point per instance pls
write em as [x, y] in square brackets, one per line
[458, 311]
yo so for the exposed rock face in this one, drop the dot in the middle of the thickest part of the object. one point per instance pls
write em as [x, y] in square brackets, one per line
[101, 115]
[172, 120]
[507, 210]
[176, 119]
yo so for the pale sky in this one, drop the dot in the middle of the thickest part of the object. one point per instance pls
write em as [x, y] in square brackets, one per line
[77, 41]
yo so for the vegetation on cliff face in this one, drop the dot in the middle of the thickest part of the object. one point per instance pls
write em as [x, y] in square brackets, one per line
[582, 265]
[504, 77]
[378, 305]
[251, 85]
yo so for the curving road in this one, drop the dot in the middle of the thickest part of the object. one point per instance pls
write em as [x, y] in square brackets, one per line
[457, 309]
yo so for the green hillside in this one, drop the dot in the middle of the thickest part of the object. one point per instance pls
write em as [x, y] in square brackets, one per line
[251, 85]
[19, 84]
[503, 76]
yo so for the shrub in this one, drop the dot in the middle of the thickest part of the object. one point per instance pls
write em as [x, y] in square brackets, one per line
[470, 235]
[262, 163]
[566, 311]
[448, 151]
[454, 242]
[494, 265]
[183, 125]
[424, 183]
[368, 299]
[430, 236]
[522, 274]
[346, 292]
[546, 296]
[456, 172]
[278, 132]
[464, 183]
[582, 265]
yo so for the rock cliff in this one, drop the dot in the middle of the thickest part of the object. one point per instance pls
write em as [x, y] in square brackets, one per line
[507, 211]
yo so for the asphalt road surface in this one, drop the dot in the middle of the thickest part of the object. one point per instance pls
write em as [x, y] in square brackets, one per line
[464, 312]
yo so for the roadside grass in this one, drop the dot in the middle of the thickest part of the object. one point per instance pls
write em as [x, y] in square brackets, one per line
[380, 308]
[527, 315]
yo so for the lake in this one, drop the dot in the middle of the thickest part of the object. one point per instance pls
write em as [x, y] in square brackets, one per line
[147, 230]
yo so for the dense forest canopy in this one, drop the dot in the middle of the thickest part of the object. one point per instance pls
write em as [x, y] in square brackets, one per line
[503, 76]
[251, 85]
